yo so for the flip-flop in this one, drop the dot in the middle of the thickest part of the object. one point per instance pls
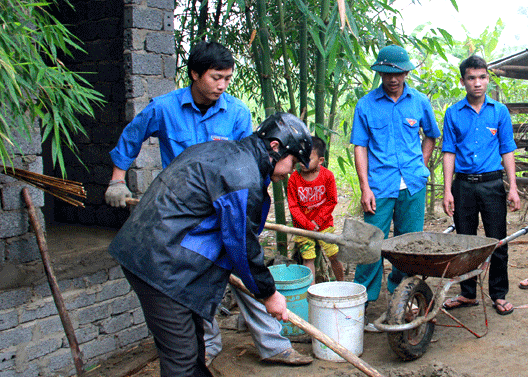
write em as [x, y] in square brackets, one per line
[523, 286]
[504, 311]
[459, 303]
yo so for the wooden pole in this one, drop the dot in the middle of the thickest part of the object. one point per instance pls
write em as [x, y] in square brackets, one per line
[319, 335]
[57, 297]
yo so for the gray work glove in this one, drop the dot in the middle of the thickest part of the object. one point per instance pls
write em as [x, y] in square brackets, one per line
[116, 193]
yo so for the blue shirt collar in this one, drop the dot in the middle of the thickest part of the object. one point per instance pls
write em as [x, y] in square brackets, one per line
[380, 92]
[464, 103]
[187, 99]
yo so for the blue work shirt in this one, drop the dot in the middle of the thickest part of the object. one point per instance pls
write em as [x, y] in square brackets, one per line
[176, 121]
[478, 140]
[391, 132]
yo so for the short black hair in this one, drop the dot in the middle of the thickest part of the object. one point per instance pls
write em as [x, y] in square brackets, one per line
[319, 146]
[206, 55]
[475, 62]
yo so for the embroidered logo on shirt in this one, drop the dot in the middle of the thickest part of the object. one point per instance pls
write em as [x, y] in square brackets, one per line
[492, 130]
[412, 122]
[216, 137]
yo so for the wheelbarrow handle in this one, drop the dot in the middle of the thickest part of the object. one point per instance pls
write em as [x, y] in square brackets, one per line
[449, 229]
[513, 236]
[504, 241]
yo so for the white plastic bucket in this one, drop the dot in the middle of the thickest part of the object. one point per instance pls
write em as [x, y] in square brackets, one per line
[338, 310]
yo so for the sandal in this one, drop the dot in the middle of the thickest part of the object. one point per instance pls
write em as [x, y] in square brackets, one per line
[501, 308]
[523, 284]
[456, 302]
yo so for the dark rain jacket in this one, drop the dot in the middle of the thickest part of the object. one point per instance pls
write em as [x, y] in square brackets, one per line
[198, 221]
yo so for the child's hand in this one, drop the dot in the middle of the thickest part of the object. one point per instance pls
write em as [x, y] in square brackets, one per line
[316, 226]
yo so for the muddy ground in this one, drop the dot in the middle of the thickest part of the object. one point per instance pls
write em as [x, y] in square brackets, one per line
[453, 352]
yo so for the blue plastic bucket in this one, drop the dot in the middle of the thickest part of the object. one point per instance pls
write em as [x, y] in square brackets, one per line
[292, 282]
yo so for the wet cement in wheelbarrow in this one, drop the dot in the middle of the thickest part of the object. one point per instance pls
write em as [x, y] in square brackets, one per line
[426, 247]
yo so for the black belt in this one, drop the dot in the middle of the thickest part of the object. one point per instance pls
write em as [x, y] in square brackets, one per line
[477, 178]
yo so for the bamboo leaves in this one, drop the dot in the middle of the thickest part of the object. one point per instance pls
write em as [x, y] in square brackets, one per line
[35, 84]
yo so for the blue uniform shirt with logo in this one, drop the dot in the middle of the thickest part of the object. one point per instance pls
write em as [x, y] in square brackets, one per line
[391, 132]
[478, 140]
[177, 123]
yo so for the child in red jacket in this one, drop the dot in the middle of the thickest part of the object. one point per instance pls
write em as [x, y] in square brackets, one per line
[312, 197]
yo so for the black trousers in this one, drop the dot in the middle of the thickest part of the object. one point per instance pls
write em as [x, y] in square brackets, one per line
[488, 199]
[177, 331]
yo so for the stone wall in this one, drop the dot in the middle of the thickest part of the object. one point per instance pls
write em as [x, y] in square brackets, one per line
[99, 26]
[150, 69]
[130, 50]
[17, 243]
[130, 55]
[105, 314]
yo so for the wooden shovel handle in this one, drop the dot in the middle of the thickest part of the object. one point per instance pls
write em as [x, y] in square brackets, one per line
[327, 237]
[319, 335]
[131, 201]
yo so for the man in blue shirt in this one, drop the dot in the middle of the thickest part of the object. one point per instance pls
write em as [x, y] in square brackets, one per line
[478, 134]
[199, 113]
[390, 158]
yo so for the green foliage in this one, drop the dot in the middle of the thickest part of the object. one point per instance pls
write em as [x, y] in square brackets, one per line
[348, 53]
[35, 83]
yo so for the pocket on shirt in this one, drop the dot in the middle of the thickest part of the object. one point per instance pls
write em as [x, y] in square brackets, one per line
[380, 134]
[411, 130]
[178, 142]
[411, 122]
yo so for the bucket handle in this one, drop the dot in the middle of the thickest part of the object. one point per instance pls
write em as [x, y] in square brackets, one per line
[346, 315]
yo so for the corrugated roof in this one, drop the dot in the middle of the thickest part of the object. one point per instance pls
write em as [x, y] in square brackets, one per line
[514, 66]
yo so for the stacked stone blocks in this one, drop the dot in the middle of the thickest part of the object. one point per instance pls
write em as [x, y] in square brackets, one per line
[103, 309]
[149, 54]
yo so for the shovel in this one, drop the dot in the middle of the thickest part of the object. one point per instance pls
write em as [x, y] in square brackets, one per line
[359, 242]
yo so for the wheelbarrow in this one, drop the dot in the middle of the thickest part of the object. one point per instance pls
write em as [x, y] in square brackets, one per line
[408, 320]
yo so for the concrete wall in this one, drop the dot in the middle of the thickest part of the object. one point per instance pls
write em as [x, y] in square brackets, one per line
[105, 314]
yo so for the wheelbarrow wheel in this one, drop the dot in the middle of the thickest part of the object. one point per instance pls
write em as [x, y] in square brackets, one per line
[410, 300]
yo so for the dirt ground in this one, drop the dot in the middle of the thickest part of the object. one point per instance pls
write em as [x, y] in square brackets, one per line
[453, 352]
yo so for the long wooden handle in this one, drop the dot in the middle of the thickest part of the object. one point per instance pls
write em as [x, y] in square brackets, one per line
[54, 286]
[319, 335]
[131, 201]
[327, 237]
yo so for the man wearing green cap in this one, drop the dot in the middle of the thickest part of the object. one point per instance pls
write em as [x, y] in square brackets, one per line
[391, 159]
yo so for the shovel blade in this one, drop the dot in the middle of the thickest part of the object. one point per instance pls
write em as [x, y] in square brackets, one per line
[361, 242]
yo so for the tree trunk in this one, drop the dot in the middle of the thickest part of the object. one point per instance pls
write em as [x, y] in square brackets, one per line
[303, 68]
[331, 117]
[202, 19]
[287, 71]
[269, 106]
[320, 70]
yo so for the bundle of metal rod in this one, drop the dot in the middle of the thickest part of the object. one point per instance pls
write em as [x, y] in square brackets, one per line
[58, 187]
